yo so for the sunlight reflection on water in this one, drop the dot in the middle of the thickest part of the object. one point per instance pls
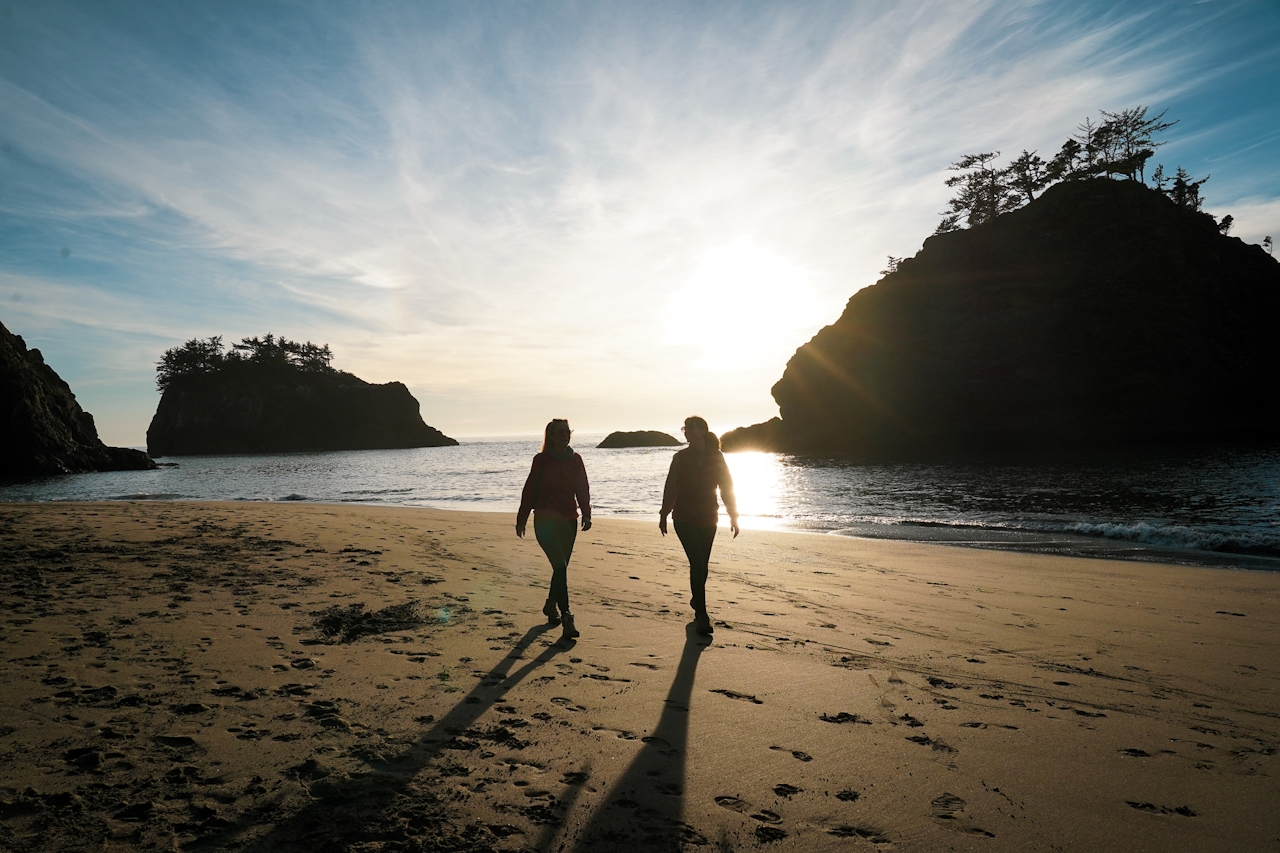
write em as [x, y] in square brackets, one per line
[759, 480]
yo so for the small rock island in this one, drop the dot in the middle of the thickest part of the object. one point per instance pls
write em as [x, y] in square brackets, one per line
[43, 430]
[639, 438]
[273, 395]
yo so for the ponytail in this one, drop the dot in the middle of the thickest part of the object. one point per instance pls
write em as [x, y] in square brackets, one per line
[713, 441]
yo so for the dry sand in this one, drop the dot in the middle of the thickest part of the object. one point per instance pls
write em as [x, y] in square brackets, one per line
[309, 677]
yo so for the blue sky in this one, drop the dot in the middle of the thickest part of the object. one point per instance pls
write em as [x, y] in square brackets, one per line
[619, 213]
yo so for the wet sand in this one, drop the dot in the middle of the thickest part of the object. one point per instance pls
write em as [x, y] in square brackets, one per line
[205, 676]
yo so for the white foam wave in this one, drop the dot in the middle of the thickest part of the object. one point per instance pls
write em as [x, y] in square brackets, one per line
[1179, 536]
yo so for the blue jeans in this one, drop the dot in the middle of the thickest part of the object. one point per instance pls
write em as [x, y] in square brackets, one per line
[556, 536]
[697, 543]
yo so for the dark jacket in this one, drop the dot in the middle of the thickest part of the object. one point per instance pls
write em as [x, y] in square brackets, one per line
[555, 489]
[690, 493]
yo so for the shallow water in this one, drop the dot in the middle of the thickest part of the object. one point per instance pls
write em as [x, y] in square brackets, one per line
[1218, 506]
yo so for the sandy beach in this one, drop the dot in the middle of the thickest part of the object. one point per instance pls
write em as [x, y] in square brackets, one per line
[204, 676]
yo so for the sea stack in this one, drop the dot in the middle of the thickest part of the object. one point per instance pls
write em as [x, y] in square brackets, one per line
[639, 438]
[1102, 313]
[281, 397]
[43, 430]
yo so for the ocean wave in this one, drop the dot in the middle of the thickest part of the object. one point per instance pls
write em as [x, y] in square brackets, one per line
[1179, 536]
[143, 496]
[294, 497]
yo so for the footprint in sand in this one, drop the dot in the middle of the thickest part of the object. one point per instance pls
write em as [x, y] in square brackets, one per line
[622, 734]
[795, 753]
[949, 808]
[844, 717]
[782, 789]
[733, 804]
[1152, 808]
[567, 704]
[936, 745]
[733, 694]
[870, 833]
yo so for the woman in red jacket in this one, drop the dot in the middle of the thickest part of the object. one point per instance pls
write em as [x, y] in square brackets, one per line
[555, 490]
[690, 494]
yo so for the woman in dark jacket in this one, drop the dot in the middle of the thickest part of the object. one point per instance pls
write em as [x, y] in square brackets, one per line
[556, 488]
[690, 496]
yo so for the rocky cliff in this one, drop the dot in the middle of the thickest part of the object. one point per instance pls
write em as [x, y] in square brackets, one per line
[43, 430]
[1101, 313]
[286, 410]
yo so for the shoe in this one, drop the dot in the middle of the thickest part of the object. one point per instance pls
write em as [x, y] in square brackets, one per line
[551, 612]
[702, 624]
[569, 631]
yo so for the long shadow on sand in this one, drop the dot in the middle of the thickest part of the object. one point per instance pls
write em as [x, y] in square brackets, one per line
[386, 807]
[646, 804]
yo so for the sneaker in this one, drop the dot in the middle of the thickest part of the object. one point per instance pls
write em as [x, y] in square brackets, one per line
[702, 624]
[569, 631]
[551, 612]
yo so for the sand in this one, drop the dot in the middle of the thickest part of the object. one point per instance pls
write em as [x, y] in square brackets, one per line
[204, 676]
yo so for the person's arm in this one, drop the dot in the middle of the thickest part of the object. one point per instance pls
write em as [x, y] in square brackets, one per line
[582, 490]
[727, 495]
[669, 493]
[529, 494]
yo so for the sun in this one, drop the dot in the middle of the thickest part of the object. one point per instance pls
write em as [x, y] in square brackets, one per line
[744, 302]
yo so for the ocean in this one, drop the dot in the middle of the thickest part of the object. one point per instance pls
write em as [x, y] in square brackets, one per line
[1203, 506]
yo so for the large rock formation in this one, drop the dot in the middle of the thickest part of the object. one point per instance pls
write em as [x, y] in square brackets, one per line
[43, 430]
[1101, 313]
[639, 438]
[283, 410]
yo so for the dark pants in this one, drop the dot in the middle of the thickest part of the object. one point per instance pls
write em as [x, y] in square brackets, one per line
[556, 537]
[697, 543]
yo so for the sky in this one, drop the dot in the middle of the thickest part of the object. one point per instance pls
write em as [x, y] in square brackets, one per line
[619, 213]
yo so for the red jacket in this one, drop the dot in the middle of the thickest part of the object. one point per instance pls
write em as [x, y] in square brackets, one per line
[553, 487]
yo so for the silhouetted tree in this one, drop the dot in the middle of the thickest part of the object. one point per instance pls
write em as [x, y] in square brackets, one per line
[1066, 163]
[1158, 178]
[1129, 137]
[891, 266]
[1092, 144]
[194, 357]
[1120, 144]
[197, 357]
[1027, 175]
[1225, 225]
[1266, 243]
[1185, 191]
[983, 194]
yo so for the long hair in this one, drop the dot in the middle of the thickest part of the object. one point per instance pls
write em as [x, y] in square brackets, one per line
[546, 433]
[712, 440]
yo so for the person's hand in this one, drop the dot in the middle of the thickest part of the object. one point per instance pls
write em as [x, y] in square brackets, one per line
[733, 525]
[662, 524]
[520, 530]
[586, 524]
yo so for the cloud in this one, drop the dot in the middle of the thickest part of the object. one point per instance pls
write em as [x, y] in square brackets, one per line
[498, 207]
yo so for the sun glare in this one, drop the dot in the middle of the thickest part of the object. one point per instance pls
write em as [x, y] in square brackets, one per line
[746, 303]
[758, 480]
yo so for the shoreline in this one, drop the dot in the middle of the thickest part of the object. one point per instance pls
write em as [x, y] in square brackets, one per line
[263, 676]
[1011, 540]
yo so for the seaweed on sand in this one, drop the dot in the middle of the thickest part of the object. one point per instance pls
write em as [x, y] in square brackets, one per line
[350, 623]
